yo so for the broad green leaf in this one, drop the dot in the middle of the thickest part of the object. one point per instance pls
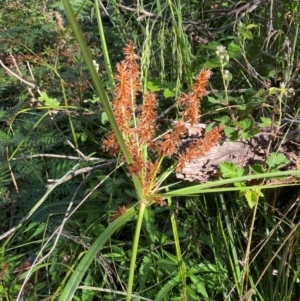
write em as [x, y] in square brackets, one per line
[247, 124]
[272, 73]
[252, 197]
[265, 122]
[257, 168]
[199, 285]
[83, 137]
[210, 126]
[254, 102]
[228, 77]
[234, 50]
[276, 161]
[212, 63]
[228, 169]
[167, 287]
[250, 26]
[213, 100]
[48, 101]
[153, 85]
[242, 107]
[249, 134]
[231, 133]
[210, 46]
[104, 117]
[248, 35]
[224, 120]
[168, 93]
[240, 172]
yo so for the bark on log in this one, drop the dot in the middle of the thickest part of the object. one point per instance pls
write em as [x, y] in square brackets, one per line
[241, 152]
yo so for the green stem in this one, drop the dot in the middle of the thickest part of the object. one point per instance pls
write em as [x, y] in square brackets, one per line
[181, 264]
[134, 250]
[247, 253]
[234, 264]
[69, 116]
[104, 47]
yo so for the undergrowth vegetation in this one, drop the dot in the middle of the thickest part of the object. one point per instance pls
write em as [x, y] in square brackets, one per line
[106, 106]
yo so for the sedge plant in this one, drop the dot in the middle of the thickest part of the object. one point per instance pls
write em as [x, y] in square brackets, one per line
[139, 128]
[135, 133]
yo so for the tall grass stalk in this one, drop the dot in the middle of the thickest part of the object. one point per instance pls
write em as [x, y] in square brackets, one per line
[73, 283]
[181, 263]
[134, 250]
[245, 272]
[107, 62]
[229, 243]
[100, 89]
[181, 46]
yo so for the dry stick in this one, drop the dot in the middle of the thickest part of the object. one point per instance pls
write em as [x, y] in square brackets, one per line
[17, 76]
[37, 88]
[58, 156]
[69, 142]
[58, 231]
[15, 64]
[81, 171]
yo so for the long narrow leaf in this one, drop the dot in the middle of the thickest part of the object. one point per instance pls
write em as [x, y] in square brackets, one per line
[204, 188]
[79, 272]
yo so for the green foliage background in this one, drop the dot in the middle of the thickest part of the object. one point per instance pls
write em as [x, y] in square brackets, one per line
[46, 140]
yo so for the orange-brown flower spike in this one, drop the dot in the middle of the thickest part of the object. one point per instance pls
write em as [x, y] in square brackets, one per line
[170, 141]
[199, 147]
[146, 126]
[124, 106]
[121, 210]
[110, 144]
[133, 68]
[201, 82]
[151, 170]
[190, 102]
[136, 167]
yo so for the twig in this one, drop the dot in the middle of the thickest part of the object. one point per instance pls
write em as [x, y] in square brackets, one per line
[57, 156]
[69, 142]
[80, 171]
[17, 76]
[29, 68]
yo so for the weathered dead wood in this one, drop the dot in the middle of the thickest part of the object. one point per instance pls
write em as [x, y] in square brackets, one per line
[241, 152]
